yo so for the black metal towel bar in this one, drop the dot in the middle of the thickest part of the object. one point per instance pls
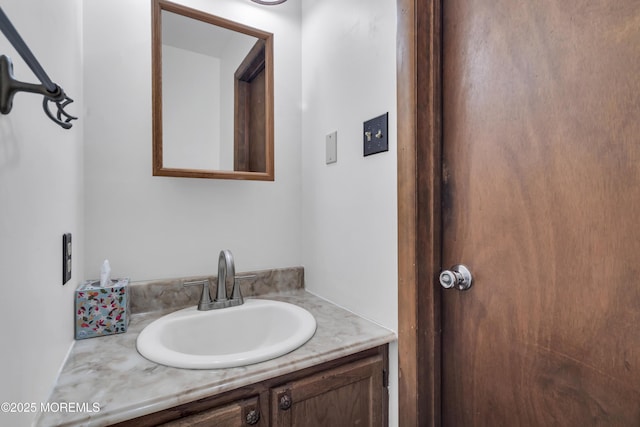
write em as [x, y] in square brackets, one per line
[9, 86]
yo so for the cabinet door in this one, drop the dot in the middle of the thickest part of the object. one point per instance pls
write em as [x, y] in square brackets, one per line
[236, 414]
[350, 395]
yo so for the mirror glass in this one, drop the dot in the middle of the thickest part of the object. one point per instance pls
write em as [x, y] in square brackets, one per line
[213, 96]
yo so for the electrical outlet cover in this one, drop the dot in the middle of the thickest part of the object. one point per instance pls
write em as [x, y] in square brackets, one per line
[332, 148]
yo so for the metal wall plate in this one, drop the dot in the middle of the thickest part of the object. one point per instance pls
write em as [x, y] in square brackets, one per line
[376, 135]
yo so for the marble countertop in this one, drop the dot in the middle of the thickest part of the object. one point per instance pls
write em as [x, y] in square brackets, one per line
[109, 372]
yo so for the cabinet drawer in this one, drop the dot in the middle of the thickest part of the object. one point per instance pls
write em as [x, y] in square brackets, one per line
[236, 414]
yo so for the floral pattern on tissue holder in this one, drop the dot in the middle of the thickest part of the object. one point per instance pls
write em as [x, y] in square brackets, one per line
[101, 311]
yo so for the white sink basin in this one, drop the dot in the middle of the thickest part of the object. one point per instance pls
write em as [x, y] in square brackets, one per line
[253, 332]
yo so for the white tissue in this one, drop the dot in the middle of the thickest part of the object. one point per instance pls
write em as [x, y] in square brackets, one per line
[105, 274]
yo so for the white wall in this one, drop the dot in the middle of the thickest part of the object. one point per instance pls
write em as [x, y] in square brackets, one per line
[190, 136]
[40, 199]
[349, 208]
[157, 227]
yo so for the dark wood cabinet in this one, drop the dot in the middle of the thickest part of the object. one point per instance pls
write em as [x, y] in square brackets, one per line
[348, 395]
[350, 391]
[235, 414]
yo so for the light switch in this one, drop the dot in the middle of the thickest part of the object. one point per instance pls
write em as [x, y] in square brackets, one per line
[376, 138]
[332, 147]
[66, 257]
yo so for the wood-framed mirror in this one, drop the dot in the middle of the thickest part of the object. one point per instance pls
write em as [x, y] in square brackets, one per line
[212, 95]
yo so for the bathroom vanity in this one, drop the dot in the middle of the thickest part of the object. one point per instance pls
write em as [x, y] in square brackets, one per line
[348, 391]
[339, 374]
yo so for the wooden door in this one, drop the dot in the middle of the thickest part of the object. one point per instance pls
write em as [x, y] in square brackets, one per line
[541, 200]
[250, 112]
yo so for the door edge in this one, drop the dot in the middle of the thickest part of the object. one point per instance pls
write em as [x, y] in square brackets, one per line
[419, 214]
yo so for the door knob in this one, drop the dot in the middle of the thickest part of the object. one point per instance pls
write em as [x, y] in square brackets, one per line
[458, 276]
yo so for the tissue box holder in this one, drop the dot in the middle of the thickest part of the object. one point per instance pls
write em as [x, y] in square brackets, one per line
[101, 311]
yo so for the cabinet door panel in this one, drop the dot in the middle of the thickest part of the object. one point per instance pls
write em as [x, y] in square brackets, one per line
[231, 415]
[347, 395]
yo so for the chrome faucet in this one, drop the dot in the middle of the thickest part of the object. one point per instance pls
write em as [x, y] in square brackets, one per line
[226, 270]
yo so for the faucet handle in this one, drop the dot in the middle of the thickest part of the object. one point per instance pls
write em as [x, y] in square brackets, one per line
[236, 294]
[205, 298]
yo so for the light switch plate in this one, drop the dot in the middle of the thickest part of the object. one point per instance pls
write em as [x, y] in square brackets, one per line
[376, 138]
[66, 258]
[332, 147]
